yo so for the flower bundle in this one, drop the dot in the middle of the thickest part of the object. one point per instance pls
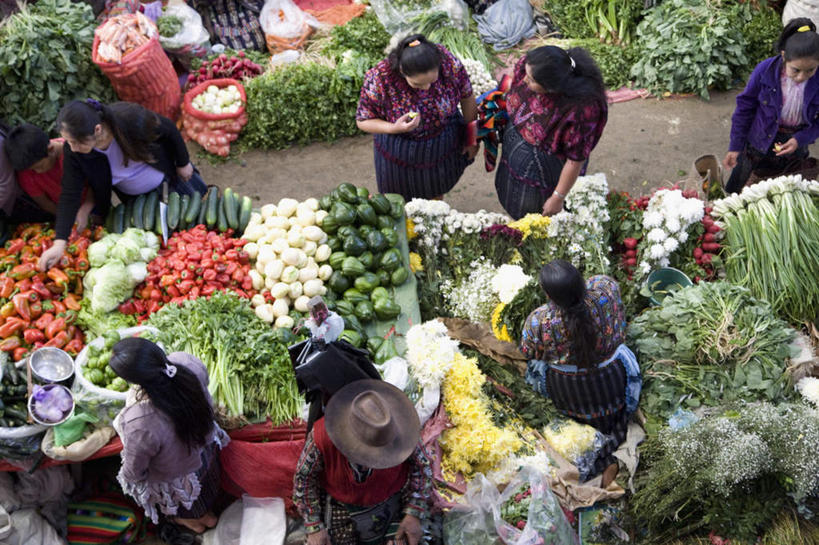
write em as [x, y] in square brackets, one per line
[570, 438]
[772, 243]
[474, 297]
[500, 242]
[430, 352]
[809, 388]
[667, 220]
[475, 443]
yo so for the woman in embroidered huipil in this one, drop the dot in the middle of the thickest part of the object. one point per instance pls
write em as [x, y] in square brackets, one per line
[409, 102]
[557, 111]
[577, 356]
[170, 441]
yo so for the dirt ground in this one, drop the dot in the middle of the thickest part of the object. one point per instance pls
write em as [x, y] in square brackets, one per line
[647, 142]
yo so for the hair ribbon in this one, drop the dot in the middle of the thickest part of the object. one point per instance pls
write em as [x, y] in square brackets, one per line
[414, 43]
[571, 60]
[170, 370]
[94, 104]
[804, 28]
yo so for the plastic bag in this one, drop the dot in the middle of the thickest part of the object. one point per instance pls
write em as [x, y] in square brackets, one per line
[395, 371]
[506, 23]
[228, 530]
[430, 398]
[285, 25]
[18, 444]
[193, 41]
[252, 521]
[79, 450]
[801, 8]
[397, 16]
[214, 132]
[29, 528]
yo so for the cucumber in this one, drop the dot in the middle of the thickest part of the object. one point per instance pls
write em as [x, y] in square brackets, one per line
[183, 209]
[149, 212]
[138, 213]
[192, 211]
[222, 222]
[157, 217]
[109, 220]
[200, 220]
[212, 207]
[119, 219]
[244, 215]
[173, 211]
[129, 212]
[229, 206]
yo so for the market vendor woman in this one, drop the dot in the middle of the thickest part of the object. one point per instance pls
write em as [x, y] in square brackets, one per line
[170, 441]
[121, 146]
[410, 103]
[557, 111]
[577, 356]
[363, 478]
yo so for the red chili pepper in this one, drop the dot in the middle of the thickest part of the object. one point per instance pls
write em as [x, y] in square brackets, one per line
[59, 340]
[74, 346]
[20, 353]
[21, 307]
[36, 310]
[71, 331]
[32, 296]
[55, 288]
[6, 287]
[11, 326]
[32, 336]
[139, 305]
[71, 302]
[57, 276]
[9, 344]
[43, 321]
[15, 246]
[55, 327]
[25, 270]
[40, 289]
[59, 307]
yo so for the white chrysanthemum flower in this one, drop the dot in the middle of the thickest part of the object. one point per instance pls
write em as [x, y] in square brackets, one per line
[672, 223]
[670, 244]
[664, 262]
[809, 388]
[682, 236]
[652, 219]
[656, 251]
[656, 235]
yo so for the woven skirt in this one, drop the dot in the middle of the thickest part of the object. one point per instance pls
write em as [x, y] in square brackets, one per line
[421, 169]
[526, 175]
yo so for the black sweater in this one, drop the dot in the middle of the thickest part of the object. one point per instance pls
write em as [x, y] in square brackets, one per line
[168, 152]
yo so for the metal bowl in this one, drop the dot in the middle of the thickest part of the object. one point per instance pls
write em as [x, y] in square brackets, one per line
[66, 415]
[51, 364]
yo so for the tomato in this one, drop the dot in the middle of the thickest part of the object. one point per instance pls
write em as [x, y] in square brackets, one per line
[156, 295]
[223, 279]
[173, 291]
[209, 275]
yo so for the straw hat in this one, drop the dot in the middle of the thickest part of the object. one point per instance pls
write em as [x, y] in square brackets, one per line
[372, 423]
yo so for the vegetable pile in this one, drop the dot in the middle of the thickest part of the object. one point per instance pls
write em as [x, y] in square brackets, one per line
[39, 309]
[709, 344]
[250, 371]
[482, 81]
[772, 242]
[224, 66]
[45, 50]
[515, 510]
[194, 263]
[290, 254]
[118, 265]
[366, 262]
[215, 100]
[169, 25]
[97, 371]
[13, 391]
[122, 34]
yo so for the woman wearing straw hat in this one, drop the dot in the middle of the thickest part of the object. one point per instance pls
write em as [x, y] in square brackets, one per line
[363, 478]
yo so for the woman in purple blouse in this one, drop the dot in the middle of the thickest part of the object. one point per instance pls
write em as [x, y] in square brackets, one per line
[557, 111]
[410, 103]
[170, 440]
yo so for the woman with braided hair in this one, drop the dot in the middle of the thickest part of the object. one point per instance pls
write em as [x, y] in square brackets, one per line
[577, 356]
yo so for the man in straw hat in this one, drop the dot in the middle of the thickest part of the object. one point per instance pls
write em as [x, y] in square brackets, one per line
[363, 478]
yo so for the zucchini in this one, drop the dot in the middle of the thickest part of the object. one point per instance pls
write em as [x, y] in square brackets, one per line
[137, 217]
[244, 215]
[183, 209]
[229, 204]
[109, 220]
[222, 222]
[192, 211]
[149, 213]
[200, 220]
[212, 207]
[157, 217]
[174, 204]
[119, 219]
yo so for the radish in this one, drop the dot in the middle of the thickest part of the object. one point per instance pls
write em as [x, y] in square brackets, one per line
[631, 253]
[631, 262]
[698, 253]
[713, 228]
[709, 237]
[710, 247]
[630, 243]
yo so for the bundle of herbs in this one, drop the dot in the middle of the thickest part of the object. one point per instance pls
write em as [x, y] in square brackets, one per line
[438, 28]
[772, 241]
[730, 473]
[710, 344]
[46, 61]
[250, 370]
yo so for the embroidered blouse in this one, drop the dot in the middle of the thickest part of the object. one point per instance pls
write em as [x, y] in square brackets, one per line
[572, 135]
[307, 493]
[387, 95]
[545, 337]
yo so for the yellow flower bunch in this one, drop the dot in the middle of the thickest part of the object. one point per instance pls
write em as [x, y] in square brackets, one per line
[475, 443]
[411, 234]
[569, 438]
[500, 330]
[415, 262]
[535, 225]
[516, 258]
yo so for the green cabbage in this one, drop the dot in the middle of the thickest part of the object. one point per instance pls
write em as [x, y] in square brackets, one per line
[126, 250]
[112, 286]
[98, 252]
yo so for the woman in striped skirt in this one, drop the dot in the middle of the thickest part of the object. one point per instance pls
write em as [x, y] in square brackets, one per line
[557, 111]
[574, 344]
[409, 102]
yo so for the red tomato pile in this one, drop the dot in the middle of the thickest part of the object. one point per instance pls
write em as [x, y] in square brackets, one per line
[194, 264]
[39, 308]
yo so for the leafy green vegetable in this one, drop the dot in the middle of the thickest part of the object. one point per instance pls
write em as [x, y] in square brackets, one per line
[96, 324]
[365, 35]
[46, 61]
[691, 46]
[614, 61]
[761, 34]
[709, 344]
[118, 265]
[438, 28]
[250, 370]
[169, 25]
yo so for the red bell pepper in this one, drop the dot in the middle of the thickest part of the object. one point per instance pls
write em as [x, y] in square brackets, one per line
[40, 289]
[32, 336]
[20, 353]
[59, 307]
[6, 287]
[56, 326]
[36, 310]
[127, 308]
[74, 346]
[7, 310]
[59, 340]
[70, 316]
[21, 306]
[23, 285]
[71, 302]
[25, 270]
[7, 345]
[11, 326]
[43, 321]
